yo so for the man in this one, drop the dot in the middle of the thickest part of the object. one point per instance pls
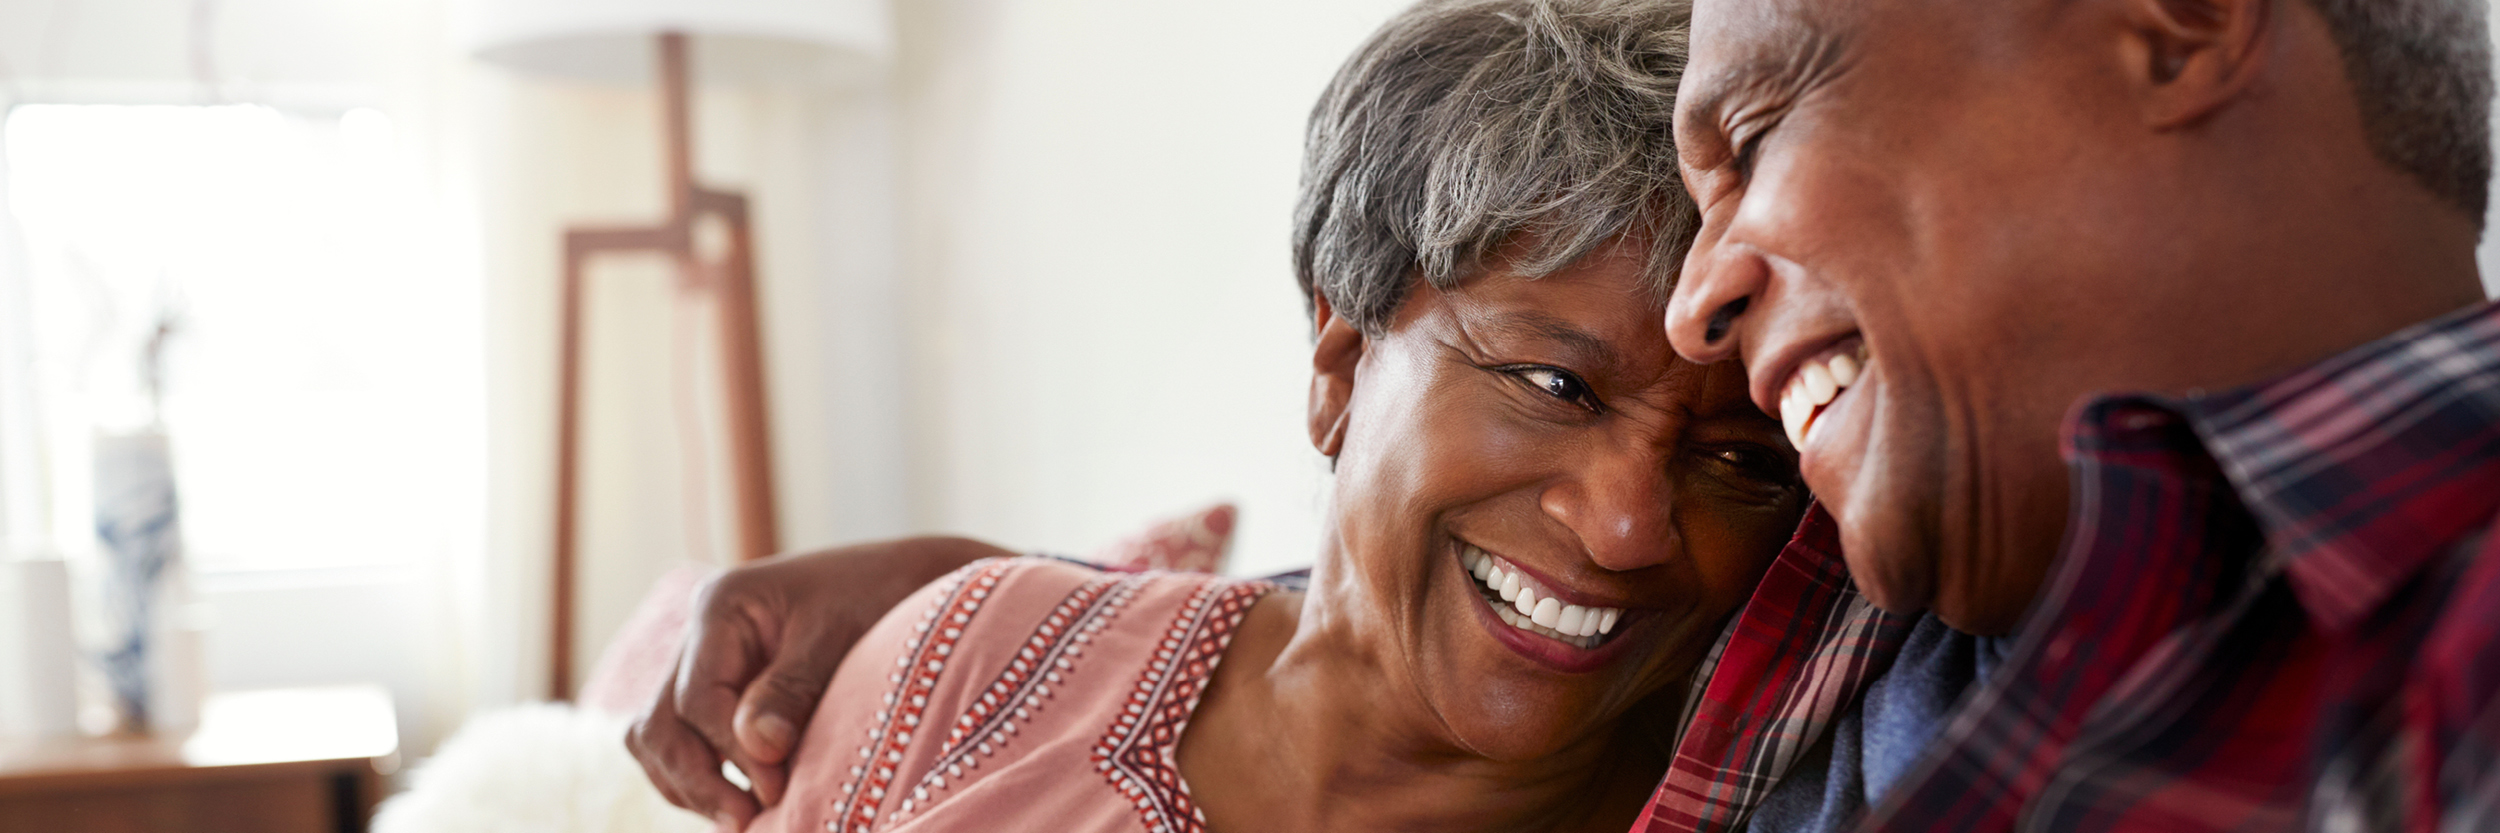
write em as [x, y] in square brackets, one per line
[2272, 606]
[1933, 227]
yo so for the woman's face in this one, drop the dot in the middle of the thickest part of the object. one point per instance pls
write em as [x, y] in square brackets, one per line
[1541, 432]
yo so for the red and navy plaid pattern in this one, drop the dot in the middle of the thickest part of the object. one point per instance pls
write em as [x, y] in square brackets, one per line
[2277, 608]
[1800, 654]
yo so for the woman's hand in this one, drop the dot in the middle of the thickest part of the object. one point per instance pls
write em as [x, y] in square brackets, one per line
[763, 644]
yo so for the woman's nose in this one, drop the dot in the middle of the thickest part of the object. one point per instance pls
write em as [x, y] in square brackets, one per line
[1707, 311]
[1620, 507]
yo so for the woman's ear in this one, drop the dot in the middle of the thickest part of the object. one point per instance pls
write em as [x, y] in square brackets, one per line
[1338, 350]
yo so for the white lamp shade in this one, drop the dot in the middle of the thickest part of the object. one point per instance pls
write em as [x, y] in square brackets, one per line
[730, 41]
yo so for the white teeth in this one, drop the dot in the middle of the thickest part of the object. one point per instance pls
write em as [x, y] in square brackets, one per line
[1793, 414]
[1819, 386]
[1513, 619]
[1814, 386]
[1545, 615]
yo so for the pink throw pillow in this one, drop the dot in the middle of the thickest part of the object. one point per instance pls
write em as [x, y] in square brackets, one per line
[1196, 542]
[638, 661]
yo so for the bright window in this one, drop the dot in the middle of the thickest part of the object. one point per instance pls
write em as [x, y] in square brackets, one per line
[322, 386]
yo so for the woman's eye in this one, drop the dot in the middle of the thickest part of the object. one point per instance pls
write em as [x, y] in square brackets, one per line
[1758, 462]
[1559, 384]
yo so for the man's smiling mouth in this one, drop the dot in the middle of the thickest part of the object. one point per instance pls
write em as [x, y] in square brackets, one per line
[1527, 605]
[1816, 383]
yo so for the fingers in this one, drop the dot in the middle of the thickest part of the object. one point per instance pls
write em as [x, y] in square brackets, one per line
[783, 699]
[760, 651]
[770, 781]
[684, 767]
[727, 645]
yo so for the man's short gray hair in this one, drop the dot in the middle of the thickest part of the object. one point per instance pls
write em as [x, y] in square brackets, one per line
[1538, 128]
[2421, 70]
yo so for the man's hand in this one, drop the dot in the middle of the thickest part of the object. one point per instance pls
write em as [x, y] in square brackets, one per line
[763, 644]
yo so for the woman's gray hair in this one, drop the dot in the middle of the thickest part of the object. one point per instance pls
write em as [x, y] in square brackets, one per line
[1538, 129]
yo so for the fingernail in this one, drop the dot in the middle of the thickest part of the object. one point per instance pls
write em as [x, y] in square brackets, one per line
[776, 730]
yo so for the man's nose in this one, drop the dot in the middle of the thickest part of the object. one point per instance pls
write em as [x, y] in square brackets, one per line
[1621, 506]
[1708, 309]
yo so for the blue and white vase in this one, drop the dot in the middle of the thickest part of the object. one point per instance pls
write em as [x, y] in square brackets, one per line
[150, 656]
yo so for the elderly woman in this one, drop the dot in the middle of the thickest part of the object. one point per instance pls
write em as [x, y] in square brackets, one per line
[1540, 515]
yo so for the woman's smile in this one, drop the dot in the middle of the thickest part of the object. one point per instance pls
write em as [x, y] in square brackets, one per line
[1544, 621]
[1535, 606]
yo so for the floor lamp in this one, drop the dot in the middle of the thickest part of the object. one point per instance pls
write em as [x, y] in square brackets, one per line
[720, 41]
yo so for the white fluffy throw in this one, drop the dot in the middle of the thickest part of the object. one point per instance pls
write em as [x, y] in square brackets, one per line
[540, 769]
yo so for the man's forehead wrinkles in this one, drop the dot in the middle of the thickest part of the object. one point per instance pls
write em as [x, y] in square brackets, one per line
[1772, 54]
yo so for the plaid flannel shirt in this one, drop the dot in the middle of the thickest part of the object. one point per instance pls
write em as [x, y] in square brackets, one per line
[1800, 653]
[2277, 607]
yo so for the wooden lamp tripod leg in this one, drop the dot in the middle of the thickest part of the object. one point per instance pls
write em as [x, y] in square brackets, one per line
[732, 282]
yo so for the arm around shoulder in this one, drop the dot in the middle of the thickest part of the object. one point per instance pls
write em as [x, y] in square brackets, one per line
[763, 644]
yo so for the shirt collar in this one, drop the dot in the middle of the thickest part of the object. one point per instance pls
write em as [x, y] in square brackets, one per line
[2360, 467]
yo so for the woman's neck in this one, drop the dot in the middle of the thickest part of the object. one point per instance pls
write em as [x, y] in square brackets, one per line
[1300, 729]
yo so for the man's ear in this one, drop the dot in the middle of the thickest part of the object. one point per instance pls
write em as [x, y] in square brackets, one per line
[2189, 58]
[1333, 359]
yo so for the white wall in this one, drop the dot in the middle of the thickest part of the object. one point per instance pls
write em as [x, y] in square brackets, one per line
[1031, 285]
[1103, 318]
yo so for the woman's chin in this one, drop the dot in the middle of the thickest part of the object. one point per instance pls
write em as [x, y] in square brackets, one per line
[1522, 723]
[1508, 706]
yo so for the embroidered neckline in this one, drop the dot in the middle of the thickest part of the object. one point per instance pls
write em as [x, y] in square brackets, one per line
[1136, 755]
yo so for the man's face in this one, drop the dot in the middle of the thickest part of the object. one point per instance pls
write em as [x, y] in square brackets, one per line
[1912, 200]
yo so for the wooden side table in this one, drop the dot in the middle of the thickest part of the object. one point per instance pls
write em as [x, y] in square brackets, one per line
[276, 761]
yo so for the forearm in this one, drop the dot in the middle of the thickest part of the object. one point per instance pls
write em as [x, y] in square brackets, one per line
[925, 559]
[765, 639]
[864, 580]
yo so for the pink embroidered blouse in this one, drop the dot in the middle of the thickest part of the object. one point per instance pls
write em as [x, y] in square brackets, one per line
[1017, 694]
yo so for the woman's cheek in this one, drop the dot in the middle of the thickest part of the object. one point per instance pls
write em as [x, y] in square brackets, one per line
[1730, 546]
